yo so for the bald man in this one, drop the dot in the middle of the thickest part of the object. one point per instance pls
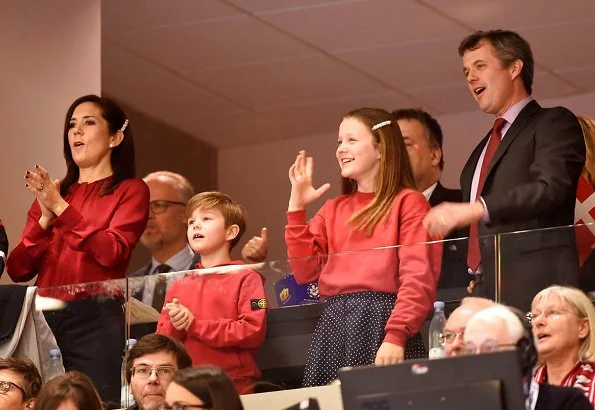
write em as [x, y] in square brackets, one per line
[457, 322]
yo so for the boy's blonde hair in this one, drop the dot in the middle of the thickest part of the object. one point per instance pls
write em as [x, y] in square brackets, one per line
[233, 213]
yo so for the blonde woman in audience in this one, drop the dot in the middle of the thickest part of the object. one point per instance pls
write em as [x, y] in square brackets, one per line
[69, 391]
[563, 323]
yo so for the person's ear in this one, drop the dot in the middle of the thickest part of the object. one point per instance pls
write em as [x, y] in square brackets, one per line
[583, 328]
[232, 232]
[29, 404]
[516, 68]
[436, 156]
[116, 139]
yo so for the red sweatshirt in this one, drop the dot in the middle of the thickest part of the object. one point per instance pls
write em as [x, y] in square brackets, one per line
[228, 325]
[409, 271]
[91, 241]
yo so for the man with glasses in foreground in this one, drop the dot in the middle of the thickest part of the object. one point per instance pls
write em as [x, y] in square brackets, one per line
[150, 368]
[457, 321]
[20, 383]
[500, 328]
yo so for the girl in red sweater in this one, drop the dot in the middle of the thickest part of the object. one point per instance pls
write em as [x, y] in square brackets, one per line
[375, 300]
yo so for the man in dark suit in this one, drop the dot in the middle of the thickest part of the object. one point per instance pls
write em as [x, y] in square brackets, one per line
[165, 234]
[522, 176]
[423, 139]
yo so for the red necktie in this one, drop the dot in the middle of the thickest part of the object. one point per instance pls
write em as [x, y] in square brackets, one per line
[473, 253]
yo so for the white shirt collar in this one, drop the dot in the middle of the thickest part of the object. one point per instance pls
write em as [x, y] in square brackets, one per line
[430, 190]
[179, 262]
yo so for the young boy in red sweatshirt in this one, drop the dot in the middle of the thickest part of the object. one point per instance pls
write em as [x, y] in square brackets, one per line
[219, 314]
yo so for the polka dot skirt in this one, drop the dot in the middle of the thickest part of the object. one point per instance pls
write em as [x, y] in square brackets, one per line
[349, 333]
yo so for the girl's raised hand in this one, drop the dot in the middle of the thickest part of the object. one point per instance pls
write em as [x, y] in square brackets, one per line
[302, 190]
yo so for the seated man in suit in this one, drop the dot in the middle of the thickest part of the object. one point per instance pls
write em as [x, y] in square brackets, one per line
[423, 138]
[454, 329]
[498, 328]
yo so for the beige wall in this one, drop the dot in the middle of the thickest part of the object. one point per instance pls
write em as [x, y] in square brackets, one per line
[257, 175]
[161, 147]
[50, 56]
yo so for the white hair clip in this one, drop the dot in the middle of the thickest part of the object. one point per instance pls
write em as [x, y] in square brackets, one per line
[124, 125]
[381, 124]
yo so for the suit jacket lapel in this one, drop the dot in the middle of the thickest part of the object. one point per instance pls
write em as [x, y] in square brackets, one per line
[469, 168]
[515, 129]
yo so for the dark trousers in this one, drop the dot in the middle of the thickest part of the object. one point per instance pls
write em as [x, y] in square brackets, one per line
[90, 335]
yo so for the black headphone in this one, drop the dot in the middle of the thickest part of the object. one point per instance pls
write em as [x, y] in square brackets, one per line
[526, 344]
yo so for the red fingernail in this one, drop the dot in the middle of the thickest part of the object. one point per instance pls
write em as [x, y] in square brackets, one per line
[36, 166]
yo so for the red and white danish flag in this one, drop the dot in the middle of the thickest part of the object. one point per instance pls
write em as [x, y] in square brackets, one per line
[584, 213]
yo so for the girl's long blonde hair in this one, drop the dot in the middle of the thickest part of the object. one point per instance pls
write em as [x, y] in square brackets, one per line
[394, 172]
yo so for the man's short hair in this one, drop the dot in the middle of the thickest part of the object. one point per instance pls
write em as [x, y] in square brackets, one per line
[184, 188]
[509, 47]
[155, 343]
[502, 313]
[27, 370]
[430, 124]
[233, 213]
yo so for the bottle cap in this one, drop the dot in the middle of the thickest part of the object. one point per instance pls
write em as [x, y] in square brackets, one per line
[439, 305]
[55, 353]
[130, 342]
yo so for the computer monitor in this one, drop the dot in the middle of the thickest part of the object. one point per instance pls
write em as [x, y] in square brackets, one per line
[488, 382]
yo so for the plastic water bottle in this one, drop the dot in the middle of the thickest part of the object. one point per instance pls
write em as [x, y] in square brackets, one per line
[436, 345]
[126, 397]
[54, 367]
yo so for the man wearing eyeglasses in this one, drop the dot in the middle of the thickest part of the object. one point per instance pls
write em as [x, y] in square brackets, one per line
[457, 321]
[150, 368]
[20, 383]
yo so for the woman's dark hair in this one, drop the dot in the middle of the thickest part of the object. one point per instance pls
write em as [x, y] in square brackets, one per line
[211, 385]
[122, 157]
[72, 386]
